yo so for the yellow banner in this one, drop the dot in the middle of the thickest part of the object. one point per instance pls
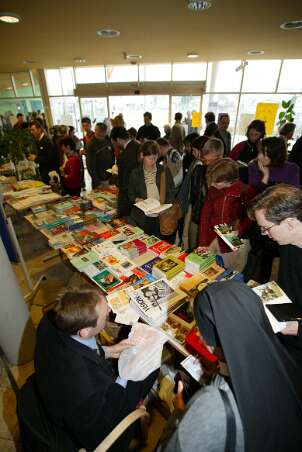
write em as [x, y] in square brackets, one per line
[267, 113]
[195, 119]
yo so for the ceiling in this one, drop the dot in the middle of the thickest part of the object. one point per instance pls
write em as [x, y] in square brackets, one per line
[55, 32]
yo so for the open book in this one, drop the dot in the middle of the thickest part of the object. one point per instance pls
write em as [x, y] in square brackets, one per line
[228, 235]
[152, 206]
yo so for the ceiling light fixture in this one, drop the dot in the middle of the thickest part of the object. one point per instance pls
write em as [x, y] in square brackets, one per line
[10, 18]
[192, 55]
[198, 5]
[291, 25]
[9, 88]
[108, 33]
[79, 60]
[255, 52]
[24, 84]
[132, 56]
[28, 61]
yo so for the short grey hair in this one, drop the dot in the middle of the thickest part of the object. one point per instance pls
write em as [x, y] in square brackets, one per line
[213, 146]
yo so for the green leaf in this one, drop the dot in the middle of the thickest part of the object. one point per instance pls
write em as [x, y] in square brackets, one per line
[281, 114]
[285, 104]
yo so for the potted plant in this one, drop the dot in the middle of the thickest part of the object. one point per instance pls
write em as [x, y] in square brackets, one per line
[288, 114]
[15, 144]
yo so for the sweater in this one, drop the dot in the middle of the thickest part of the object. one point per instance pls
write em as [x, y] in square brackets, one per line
[227, 205]
[287, 174]
[72, 170]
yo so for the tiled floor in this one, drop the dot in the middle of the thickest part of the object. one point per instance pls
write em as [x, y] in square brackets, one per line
[58, 275]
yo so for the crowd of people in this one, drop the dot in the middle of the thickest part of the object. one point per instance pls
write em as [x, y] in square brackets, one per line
[253, 187]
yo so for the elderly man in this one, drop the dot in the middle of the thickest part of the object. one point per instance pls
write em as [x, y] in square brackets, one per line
[278, 212]
[222, 132]
[76, 380]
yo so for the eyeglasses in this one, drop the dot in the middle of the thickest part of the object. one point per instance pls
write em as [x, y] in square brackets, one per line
[264, 230]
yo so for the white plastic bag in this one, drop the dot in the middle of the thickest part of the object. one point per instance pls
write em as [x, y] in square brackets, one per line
[137, 362]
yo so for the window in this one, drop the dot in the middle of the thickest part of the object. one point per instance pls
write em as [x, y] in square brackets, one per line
[23, 84]
[65, 110]
[36, 85]
[133, 108]
[67, 79]
[94, 108]
[94, 74]
[224, 76]
[122, 73]
[9, 108]
[6, 86]
[290, 79]
[261, 76]
[53, 81]
[247, 110]
[185, 105]
[154, 72]
[221, 103]
[189, 71]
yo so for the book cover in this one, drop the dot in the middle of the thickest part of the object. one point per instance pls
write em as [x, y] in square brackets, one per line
[118, 301]
[168, 267]
[148, 266]
[270, 293]
[228, 235]
[106, 280]
[160, 247]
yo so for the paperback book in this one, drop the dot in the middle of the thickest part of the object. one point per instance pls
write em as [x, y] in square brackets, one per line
[155, 301]
[197, 262]
[168, 267]
[106, 280]
[152, 207]
[160, 247]
[228, 235]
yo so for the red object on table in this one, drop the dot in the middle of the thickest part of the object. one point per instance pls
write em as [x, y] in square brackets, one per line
[194, 343]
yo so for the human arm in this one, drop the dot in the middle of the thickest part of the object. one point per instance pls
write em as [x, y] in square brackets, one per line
[72, 171]
[170, 187]
[114, 351]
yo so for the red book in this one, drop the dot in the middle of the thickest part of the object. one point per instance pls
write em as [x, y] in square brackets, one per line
[160, 247]
[193, 342]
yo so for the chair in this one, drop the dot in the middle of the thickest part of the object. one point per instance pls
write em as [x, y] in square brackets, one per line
[39, 434]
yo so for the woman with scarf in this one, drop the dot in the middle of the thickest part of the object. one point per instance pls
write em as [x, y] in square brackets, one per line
[262, 412]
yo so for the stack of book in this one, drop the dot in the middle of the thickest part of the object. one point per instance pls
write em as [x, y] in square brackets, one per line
[60, 241]
[168, 267]
[148, 266]
[192, 286]
[133, 248]
[196, 263]
[74, 222]
[156, 301]
[62, 206]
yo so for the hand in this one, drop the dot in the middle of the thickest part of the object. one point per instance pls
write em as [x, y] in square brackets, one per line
[139, 199]
[82, 152]
[114, 351]
[264, 170]
[178, 399]
[31, 157]
[291, 329]
[201, 249]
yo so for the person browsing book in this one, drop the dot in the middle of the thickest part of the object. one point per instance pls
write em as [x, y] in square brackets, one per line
[278, 212]
[74, 375]
[225, 203]
[144, 183]
[71, 170]
[243, 410]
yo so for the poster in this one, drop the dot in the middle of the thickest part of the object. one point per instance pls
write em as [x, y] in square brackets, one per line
[267, 113]
[195, 119]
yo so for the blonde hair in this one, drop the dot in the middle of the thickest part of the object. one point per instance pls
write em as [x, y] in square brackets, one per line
[224, 170]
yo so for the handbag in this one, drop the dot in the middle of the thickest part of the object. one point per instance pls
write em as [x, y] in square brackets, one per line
[168, 220]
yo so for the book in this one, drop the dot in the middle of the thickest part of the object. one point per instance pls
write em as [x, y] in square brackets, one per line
[80, 262]
[118, 301]
[133, 248]
[160, 247]
[155, 301]
[197, 262]
[148, 266]
[106, 280]
[175, 330]
[192, 286]
[136, 275]
[149, 240]
[184, 315]
[168, 267]
[152, 206]
[228, 235]
[285, 312]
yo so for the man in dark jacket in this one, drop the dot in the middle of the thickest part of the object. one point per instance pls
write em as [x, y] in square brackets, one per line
[296, 155]
[47, 157]
[75, 379]
[148, 131]
[99, 156]
[126, 162]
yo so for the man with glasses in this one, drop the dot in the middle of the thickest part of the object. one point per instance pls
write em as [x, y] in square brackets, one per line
[278, 212]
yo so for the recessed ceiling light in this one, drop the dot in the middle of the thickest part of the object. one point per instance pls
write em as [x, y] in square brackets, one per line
[291, 25]
[132, 56]
[108, 33]
[10, 18]
[198, 5]
[192, 55]
[9, 88]
[24, 84]
[79, 60]
[28, 61]
[255, 52]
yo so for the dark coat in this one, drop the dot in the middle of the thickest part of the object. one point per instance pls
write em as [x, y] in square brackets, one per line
[78, 386]
[126, 162]
[47, 158]
[296, 155]
[99, 158]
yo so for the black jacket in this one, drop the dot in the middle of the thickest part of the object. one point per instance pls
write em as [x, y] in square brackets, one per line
[78, 386]
[99, 158]
[296, 155]
[148, 133]
[126, 162]
[47, 158]
[198, 191]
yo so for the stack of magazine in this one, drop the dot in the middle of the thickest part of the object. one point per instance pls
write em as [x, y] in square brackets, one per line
[156, 301]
